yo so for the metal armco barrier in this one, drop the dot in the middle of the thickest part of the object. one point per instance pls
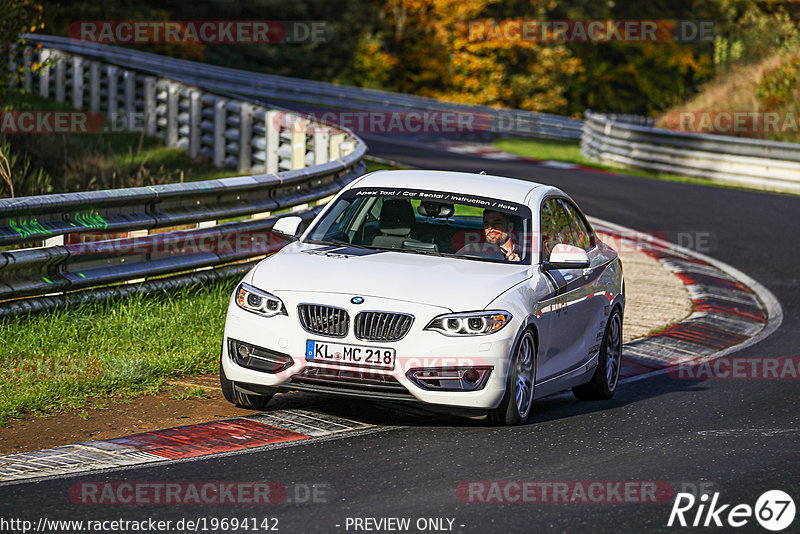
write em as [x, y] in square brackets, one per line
[43, 217]
[59, 268]
[732, 160]
[230, 130]
[34, 272]
[295, 160]
[308, 93]
[172, 283]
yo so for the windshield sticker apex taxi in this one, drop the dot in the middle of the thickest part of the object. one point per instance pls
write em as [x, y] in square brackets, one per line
[440, 196]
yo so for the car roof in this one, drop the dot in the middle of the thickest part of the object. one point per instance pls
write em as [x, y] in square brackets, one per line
[486, 185]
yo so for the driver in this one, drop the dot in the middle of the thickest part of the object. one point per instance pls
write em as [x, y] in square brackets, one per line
[497, 228]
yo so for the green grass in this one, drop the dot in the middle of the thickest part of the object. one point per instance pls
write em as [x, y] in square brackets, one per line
[379, 165]
[61, 360]
[570, 152]
[195, 392]
[544, 149]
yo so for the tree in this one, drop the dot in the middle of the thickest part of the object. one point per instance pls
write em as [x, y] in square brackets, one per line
[447, 49]
[19, 16]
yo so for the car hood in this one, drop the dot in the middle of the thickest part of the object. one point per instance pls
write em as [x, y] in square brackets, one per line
[457, 284]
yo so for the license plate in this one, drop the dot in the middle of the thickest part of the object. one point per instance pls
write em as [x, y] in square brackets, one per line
[344, 354]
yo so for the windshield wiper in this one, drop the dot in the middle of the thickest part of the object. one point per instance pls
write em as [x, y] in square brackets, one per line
[432, 253]
[337, 242]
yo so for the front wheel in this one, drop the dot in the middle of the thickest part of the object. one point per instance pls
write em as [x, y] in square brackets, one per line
[516, 405]
[234, 396]
[604, 381]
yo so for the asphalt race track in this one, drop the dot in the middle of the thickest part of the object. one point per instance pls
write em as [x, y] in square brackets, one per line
[739, 438]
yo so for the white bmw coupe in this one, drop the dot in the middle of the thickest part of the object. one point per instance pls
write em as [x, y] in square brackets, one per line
[467, 291]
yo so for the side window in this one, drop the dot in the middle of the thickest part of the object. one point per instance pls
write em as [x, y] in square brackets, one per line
[555, 226]
[580, 236]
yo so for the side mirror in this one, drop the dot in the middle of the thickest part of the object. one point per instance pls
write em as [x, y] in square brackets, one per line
[288, 227]
[566, 257]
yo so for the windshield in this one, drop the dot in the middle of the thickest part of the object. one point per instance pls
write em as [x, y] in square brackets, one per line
[428, 222]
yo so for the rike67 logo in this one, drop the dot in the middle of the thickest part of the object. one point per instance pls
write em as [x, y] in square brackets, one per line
[774, 510]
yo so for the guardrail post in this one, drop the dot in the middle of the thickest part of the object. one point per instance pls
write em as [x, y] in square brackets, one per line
[299, 143]
[56, 241]
[130, 99]
[336, 142]
[172, 115]
[44, 73]
[321, 145]
[150, 105]
[134, 234]
[245, 136]
[112, 91]
[59, 78]
[94, 86]
[220, 116]
[195, 118]
[272, 138]
[77, 82]
[346, 147]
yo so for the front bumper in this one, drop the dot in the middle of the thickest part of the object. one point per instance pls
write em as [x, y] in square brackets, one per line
[419, 348]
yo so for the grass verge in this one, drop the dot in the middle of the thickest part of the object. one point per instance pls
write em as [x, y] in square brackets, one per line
[570, 152]
[60, 360]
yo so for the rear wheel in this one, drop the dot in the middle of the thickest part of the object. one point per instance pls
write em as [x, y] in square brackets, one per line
[234, 396]
[606, 376]
[516, 405]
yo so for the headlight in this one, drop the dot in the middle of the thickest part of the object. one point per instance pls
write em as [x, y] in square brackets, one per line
[470, 324]
[257, 301]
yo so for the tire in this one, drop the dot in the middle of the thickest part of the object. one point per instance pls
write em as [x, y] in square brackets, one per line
[606, 377]
[234, 396]
[515, 408]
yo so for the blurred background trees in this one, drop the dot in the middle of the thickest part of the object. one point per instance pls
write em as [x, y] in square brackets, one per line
[422, 47]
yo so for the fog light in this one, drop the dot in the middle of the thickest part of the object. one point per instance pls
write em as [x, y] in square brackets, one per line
[258, 358]
[471, 375]
[450, 378]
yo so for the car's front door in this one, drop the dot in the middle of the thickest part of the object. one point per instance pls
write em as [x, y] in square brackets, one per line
[570, 306]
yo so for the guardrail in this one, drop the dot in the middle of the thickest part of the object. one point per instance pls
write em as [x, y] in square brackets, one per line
[296, 161]
[733, 160]
[311, 94]
[231, 131]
